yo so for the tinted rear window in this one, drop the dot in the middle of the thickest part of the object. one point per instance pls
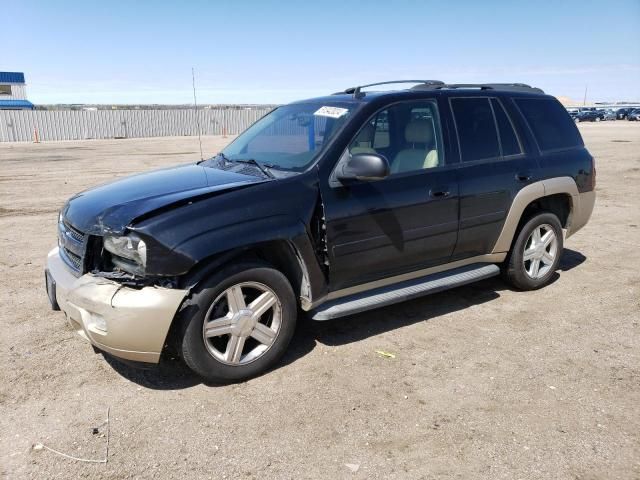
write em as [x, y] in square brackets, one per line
[476, 128]
[508, 138]
[550, 123]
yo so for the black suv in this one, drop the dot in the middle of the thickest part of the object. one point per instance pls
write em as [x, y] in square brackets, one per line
[332, 206]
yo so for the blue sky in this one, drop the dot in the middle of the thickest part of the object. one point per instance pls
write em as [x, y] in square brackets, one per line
[279, 51]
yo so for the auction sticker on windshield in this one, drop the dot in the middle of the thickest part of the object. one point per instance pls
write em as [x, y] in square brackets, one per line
[331, 112]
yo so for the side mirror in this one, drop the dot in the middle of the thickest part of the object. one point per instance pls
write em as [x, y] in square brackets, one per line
[366, 167]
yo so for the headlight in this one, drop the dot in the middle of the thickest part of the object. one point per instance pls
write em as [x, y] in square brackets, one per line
[129, 253]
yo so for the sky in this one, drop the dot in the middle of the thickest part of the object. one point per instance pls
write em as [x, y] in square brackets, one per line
[279, 51]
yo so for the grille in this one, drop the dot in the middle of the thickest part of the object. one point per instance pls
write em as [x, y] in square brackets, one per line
[72, 247]
[78, 236]
[73, 260]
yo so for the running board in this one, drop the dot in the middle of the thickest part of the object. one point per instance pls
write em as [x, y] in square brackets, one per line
[402, 291]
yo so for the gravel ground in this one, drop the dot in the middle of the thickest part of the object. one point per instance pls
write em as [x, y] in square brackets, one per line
[486, 382]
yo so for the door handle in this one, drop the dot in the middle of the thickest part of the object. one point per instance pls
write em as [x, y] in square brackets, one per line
[523, 177]
[439, 193]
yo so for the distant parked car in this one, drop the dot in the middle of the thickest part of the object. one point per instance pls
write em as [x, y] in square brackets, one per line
[573, 112]
[609, 115]
[634, 115]
[587, 116]
[622, 113]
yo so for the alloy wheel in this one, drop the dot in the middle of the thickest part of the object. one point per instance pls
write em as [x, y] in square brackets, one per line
[540, 251]
[242, 323]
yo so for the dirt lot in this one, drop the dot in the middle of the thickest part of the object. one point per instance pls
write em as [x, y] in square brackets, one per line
[486, 382]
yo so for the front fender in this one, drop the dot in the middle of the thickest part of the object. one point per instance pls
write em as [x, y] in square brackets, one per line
[279, 210]
[241, 235]
[232, 240]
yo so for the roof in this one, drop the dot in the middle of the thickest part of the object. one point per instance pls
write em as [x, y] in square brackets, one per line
[11, 77]
[437, 85]
[336, 99]
[16, 105]
[341, 99]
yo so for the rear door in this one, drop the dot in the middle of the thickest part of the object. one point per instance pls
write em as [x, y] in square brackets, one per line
[493, 168]
[405, 222]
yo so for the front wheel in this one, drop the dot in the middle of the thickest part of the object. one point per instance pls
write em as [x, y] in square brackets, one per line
[597, 119]
[239, 323]
[535, 254]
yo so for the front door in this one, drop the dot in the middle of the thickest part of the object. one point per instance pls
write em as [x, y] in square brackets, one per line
[405, 222]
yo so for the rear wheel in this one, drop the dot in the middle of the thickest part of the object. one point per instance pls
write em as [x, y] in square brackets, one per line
[241, 324]
[535, 254]
[597, 119]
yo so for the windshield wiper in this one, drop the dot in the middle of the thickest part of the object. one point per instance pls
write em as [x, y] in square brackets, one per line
[219, 154]
[251, 161]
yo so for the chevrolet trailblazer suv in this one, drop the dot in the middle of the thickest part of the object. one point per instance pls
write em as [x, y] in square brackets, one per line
[332, 206]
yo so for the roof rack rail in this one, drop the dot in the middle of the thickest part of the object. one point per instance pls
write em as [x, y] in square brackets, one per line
[357, 93]
[510, 87]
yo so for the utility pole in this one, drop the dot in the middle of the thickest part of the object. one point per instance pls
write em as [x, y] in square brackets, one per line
[195, 106]
[584, 100]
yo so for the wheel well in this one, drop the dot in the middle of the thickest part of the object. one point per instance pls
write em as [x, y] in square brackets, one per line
[279, 253]
[559, 204]
[283, 256]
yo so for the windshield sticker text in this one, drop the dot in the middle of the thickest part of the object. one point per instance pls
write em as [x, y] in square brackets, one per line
[331, 112]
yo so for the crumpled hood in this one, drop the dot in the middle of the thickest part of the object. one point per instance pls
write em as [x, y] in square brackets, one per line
[113, 206]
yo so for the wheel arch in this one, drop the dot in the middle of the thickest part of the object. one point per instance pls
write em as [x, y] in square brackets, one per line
[280, 253]
[556, 195]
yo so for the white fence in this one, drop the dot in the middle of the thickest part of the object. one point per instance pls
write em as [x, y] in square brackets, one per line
[25, 125]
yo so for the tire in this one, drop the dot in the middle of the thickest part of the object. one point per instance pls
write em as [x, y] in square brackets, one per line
[234, 347]
[521, 272]
[598, 119]
[577, 120]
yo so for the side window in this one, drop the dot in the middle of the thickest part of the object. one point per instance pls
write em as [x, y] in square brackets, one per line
[550, 123]
[373, 136]
[381, 136]
[408, 134]
[365, 139]
[476, 128]
[508, 137]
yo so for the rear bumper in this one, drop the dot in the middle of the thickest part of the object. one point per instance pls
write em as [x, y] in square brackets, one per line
[125, 322]
[582, 210]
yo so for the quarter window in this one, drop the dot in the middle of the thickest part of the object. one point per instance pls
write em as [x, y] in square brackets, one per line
[550, 123]
[476, 129]
[508, 138]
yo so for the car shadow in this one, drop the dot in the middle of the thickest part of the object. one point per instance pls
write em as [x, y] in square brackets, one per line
[170, 374]
[570, 259]
[358, 327]
[173, 374]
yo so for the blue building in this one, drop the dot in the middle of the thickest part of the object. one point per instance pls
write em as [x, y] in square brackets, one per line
[13, 92]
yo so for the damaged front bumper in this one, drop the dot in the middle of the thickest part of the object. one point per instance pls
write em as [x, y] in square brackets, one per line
[126, 322]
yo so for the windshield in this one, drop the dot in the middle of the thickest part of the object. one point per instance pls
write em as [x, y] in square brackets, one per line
[290, 137]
